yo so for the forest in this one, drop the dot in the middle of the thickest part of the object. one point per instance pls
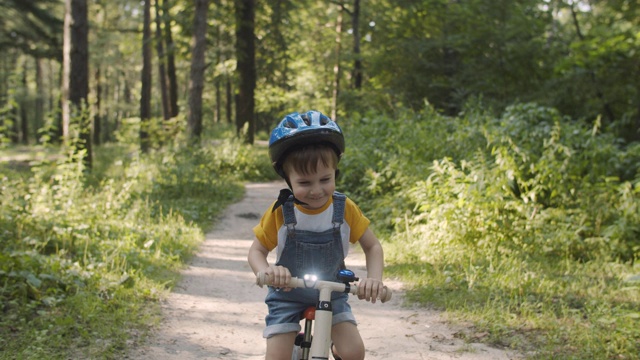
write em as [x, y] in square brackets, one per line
[495, 145]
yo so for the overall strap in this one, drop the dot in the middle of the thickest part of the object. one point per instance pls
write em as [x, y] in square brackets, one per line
[339, 204]
[289, 215]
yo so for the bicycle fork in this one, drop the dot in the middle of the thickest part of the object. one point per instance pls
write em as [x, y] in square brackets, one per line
[322, 329]
[318, 347]
[304, 339]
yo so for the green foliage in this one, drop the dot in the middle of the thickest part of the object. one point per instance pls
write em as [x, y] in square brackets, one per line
[160, 131]
[32, 26]
[84, 259]
[385, 154]
[526, 223]
[450, 52]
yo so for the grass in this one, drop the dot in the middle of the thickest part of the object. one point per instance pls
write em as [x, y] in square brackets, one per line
[543, 308]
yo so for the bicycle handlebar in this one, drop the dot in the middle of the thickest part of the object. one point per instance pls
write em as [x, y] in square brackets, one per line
[311, 282]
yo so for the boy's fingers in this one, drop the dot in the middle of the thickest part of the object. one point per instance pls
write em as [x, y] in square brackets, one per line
[374, 294]
[364, 292]
[281, 276]
[370, 289]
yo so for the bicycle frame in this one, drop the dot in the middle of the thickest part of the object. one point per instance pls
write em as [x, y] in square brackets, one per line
[320, 346]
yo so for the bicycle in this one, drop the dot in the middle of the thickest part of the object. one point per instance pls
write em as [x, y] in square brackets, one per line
[315, 341]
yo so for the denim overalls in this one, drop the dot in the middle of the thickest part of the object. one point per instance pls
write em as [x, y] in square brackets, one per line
[308, 252]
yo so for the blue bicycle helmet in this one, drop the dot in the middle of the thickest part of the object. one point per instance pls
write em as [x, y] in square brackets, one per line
[297, 129]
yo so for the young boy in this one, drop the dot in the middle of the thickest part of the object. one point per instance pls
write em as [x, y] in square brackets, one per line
[311, 227]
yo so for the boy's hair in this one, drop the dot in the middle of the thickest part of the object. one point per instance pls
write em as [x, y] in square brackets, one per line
[304, 160]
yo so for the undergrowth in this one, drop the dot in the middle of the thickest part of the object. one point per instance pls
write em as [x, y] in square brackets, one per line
[85, 256]
[527, 224]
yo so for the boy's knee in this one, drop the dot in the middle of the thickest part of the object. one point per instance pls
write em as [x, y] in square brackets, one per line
[347, 341]
[279, 347]
[351, 352]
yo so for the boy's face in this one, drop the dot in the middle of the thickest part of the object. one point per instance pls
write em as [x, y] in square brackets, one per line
[314, 189]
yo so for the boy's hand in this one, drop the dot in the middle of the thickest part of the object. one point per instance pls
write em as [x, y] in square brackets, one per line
[369, 289]
[279, 276]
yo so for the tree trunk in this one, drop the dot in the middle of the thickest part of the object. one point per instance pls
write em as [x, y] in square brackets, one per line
[105, 114]
[217, 115]
[56, 102]
[162, 75]
[636, 129]
[15, 125]
[145, 96]
[357, 63]
[171, 62]
[218, 100]
[40, 94]
[450, 65]
[229, 108]
[196, 79]
[608, 112]
[4, 84]
[4, 89]
[24, 116]
[246, 68]
[76, 75]
[336, 68]
[97, 121]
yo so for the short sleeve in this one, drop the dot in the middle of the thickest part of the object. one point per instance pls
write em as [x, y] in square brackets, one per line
[267, 230]
[357, 221]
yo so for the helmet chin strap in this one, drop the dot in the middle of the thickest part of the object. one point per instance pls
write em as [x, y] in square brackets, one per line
[285, 194]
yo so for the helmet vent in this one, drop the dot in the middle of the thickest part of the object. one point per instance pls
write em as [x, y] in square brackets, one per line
[324, 120]
[306, 119]
[290, 124]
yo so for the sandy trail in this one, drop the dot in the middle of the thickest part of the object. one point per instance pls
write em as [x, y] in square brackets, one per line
[216, 311]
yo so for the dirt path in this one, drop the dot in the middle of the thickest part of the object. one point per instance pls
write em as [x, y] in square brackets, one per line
[216, 311]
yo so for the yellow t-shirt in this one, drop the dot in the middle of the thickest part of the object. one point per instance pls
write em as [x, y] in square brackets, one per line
[272, 233]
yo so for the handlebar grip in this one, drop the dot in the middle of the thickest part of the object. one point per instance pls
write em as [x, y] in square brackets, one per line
[385, 295]
[261, 279]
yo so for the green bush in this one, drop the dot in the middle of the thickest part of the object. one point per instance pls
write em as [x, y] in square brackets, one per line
[529, 171]
[385, 155]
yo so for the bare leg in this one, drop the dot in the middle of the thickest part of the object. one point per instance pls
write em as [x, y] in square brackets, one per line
[280, 347]
[347, 341]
